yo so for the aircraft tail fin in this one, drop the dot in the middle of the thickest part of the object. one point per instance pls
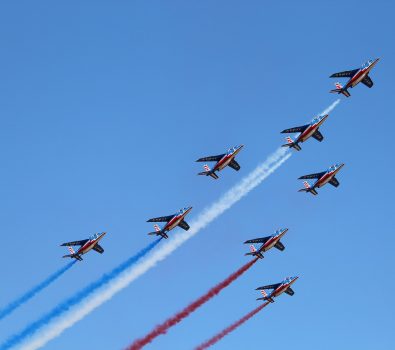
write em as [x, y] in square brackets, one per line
[265, 296]
[291, 144]
[158, 232]
[72, 254]
[208, 172]
[254, 252]
[308, 188]
[340, 90]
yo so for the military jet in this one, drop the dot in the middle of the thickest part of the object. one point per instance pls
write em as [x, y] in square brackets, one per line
[277, 289]
[171, 222]
[85, 246]
[322, 178]
[359, 75]
[222, 160]
[306, 131]
[267, 243]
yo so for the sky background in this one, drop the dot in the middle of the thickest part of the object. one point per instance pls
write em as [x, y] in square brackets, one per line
[105, 106]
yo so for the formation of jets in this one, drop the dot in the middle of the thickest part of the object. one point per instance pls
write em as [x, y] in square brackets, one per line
[310, 130]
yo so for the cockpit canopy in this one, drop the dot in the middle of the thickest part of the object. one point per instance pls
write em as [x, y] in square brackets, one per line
[232, 150]
[367, 64]
[94, 236]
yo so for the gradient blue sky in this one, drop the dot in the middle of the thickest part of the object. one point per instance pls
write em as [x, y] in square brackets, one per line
[104, 107]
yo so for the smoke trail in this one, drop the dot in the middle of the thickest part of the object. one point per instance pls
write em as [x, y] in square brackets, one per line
[12, 306]
[230, 329]
[247, 184]
[331, 107]
[77, 298]
[178, 317]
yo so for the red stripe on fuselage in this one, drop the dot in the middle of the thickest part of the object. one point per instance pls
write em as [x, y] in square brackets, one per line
[222, 163]
[86, 247]
[357, 77]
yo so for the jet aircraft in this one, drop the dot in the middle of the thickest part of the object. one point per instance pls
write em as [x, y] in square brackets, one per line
[359, 75]
[171, 222]
[222, 160]
[85, 246]
[306, 131]
[277, 289]
[267, 243]
[322, 178]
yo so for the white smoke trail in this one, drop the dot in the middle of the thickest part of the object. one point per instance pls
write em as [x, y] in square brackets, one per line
[331, 107]
[237, 192]
[207, 216]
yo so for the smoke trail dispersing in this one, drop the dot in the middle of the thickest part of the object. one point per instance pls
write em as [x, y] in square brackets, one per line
[178, 317]
[77, 298]
[331, 107]
[12, 306]
[247, 184]
[231, 328]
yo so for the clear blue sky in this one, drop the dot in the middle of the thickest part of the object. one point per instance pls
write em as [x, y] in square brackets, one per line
[104, 107]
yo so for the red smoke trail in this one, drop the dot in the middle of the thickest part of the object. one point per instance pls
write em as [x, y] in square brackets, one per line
[172, 321]
[230, 329]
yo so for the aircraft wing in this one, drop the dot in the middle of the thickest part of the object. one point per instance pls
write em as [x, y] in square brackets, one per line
[345, 74]
[279, 246]
[75, 243]
[161, 219]
[184, 225]
[289, 291]
[295, 129]
[367, 81]
[269, 286]
[318, 136]
[334, 182]
[98, 248]
[234, 165]
[313, 176]
[262, 240]
[211, 158]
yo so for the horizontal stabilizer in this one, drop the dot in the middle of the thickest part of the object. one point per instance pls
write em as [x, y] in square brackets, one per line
[160, 233]
[209, 173]
[73, 256]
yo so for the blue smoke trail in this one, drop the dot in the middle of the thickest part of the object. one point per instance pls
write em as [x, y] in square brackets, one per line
[8, 309]
[63, 307]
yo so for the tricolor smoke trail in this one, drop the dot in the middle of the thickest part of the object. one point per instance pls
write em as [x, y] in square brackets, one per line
[247, 184]
[77, 298]
[230, 329]
[179, 316]
[13, 305]
[226, 201]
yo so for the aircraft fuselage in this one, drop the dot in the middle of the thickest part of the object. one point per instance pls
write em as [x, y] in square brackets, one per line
[176, 220]
[225, 160]
[271, 242]
[327, 177]
[282, 288]
[360, 75]
[310, 130]
[89, 245]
